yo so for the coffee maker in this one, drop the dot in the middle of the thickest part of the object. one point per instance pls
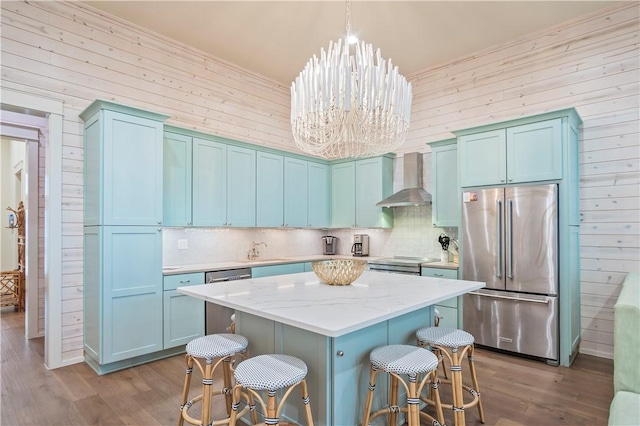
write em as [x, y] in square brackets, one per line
[360, 245]
[329, 244]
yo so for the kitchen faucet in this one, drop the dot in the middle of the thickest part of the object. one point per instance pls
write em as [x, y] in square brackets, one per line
[253, 252]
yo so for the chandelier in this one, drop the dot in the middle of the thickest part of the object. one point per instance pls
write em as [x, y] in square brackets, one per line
[348, 104]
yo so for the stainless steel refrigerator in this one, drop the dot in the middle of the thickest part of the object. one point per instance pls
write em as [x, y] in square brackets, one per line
[509, 239]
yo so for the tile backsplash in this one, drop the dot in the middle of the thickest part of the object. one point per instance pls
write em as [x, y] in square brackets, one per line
[412, 235]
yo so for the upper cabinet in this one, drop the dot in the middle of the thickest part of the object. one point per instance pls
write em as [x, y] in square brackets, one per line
[270, 190]
[318, 200]
[356, 187]
[522, 153]
[444, 177]
[177, 176]
[296, 193]
[123, 165]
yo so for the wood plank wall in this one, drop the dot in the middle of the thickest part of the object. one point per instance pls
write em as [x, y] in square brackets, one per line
[590, 64]
[69, 51]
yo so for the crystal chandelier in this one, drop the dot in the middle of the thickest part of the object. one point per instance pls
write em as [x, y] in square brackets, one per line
[349, 106]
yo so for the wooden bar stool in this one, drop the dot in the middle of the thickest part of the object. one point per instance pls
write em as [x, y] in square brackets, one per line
[225, 347]
[454, 344]
[413, 362]
[270, 373]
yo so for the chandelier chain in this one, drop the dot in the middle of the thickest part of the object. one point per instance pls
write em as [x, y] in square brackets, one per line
[348, 19]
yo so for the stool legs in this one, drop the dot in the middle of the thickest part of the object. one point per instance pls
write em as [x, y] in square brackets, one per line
[458, 406]
[413, 390]
[271, 408]
[185, 389]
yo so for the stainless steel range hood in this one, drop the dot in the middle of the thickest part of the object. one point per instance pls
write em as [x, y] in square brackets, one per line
[413, 194]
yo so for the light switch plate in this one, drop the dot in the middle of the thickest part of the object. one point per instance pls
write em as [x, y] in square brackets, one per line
[183, 244]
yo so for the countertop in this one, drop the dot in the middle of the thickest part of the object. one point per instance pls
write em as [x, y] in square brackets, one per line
[220, 266]
[302, 301]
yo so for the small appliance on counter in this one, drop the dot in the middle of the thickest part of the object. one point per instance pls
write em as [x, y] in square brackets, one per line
[360, 245]
[329, 244]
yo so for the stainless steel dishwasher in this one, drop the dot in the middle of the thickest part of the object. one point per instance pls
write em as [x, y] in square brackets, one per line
[218, 318]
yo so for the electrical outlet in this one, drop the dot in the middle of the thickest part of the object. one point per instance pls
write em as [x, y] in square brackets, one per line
[183, 244]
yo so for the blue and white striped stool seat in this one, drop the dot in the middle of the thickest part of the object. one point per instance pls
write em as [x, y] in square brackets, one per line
[270, 372]
[217, 345]
[444, 336]
[403, 359]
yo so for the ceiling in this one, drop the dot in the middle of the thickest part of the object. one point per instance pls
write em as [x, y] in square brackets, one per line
[277, 38]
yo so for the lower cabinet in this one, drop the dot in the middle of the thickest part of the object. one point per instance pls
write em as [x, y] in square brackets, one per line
[183, 316]
[449, 311]
[271, 270]
[122, 295]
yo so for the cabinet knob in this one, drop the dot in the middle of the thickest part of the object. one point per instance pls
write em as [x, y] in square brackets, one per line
[501, 180]
[510, 180]
[159, 222]
[340, 353]
[159, 229]
[189, 223]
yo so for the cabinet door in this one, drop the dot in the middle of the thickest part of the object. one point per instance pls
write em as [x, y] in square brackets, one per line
[209, 183]
[445, 210]
[269, 190]
[343, 195]
[241, 187]
[183, 319]
[319, 200]
[534, 152]
[295, 193]
[177, 175]
[374, 181]
[483, 158]
[271, 270]
[132, 170]
[132, 291]
[448, 316]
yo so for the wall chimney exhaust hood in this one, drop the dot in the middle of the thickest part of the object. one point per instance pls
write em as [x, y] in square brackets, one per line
[413, 194]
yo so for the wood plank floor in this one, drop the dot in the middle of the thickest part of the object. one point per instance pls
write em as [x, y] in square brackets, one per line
[515, 391]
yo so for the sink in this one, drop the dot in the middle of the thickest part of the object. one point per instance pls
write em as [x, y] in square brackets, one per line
[171, 268]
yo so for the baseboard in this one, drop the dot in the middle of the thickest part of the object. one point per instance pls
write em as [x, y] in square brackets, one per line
[599, 354]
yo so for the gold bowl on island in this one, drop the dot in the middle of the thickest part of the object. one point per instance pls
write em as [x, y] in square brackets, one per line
[339, 271]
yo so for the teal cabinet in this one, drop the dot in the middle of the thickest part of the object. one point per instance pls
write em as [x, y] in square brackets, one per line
[241, 187]
[343, 195]
[269, 189]
[296, 193]
[448, 311]
[183, 316]
[177, 177]
[271, 270]
[123, 292]
[209, 183]
[123, 166]
[445, 210]
[356, 187]
[122, 258]
[525, 153]
[224, 184]
[318, 197]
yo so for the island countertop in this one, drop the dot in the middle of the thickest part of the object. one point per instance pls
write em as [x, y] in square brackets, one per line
[303, 301]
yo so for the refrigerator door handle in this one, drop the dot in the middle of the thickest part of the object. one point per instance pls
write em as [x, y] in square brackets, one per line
[516, 299]
[509, 231]
[499, 237]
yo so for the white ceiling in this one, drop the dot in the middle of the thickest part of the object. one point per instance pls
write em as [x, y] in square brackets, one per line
[277, 38]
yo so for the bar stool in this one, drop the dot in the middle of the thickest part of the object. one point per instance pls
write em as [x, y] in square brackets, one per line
[410, 361]
[270, 373]
[441, 339]
[225, 347]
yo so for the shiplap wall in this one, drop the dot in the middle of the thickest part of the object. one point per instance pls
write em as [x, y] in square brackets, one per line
[591, 64]
[71, 52]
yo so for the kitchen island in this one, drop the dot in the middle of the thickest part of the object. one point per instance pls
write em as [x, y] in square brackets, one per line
[331, 328]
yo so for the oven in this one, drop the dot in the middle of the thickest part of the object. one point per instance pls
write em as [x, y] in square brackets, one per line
[400, 264]
[218, 318]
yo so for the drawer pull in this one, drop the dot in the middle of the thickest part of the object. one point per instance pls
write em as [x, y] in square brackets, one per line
[184, 281]
[438, 275]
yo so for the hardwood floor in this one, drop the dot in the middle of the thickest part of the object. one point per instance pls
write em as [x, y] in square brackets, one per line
[515, 391]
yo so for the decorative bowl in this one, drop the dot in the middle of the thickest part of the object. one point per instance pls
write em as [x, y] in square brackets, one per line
[339, 271]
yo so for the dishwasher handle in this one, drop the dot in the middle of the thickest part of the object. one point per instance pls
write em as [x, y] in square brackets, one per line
[232, 278]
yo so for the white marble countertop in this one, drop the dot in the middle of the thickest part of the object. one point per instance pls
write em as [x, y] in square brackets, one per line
[235, 264]
[302, 301]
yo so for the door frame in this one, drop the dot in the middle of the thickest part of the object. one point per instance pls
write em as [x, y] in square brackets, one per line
[53, 110]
